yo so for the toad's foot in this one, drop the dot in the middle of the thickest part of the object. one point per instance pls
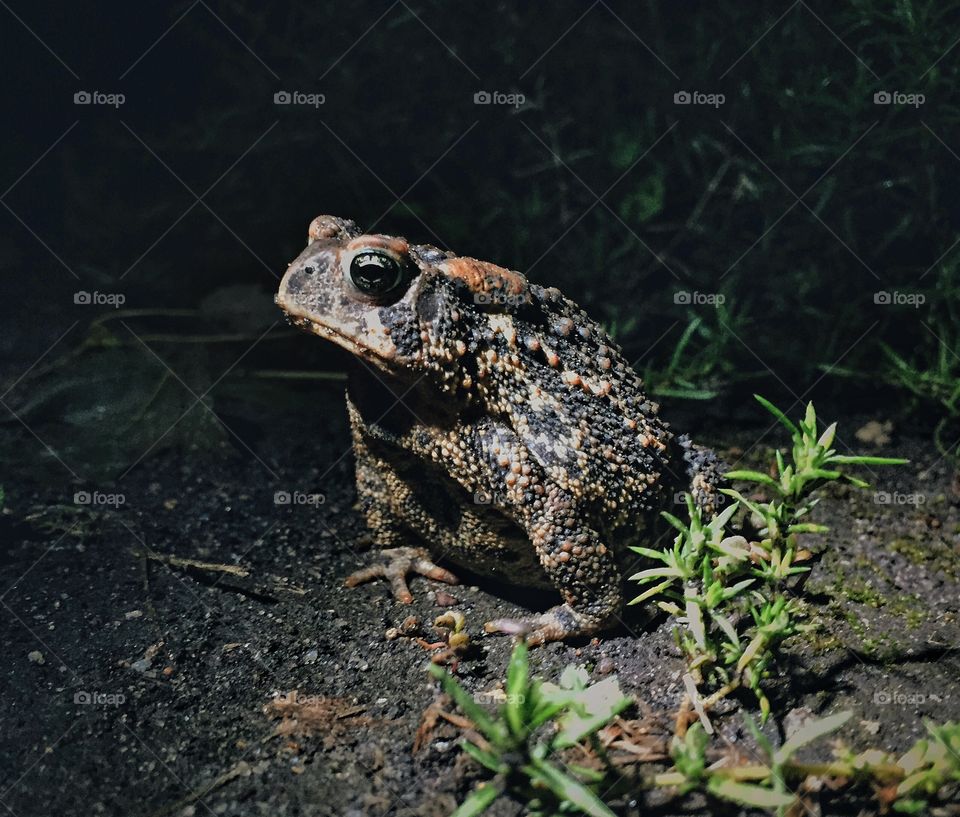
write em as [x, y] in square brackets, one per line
[556, 624]
[400, 562]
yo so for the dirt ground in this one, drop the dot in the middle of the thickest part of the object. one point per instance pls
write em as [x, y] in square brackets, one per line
[137, 688]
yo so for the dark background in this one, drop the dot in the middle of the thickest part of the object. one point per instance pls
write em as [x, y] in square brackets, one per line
[798, 240]
[598, 183]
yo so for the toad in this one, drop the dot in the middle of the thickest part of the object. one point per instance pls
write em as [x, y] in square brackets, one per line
[495, 425]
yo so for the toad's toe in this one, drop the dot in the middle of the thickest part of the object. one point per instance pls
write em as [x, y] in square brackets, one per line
[398, 563]
[555, 625]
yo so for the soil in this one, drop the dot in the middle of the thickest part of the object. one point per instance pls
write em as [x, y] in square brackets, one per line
[137, 687]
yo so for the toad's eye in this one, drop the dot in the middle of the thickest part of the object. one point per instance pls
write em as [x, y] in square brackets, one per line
[375, 272]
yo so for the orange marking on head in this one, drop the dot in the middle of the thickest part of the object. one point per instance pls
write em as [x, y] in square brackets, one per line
[482, 276]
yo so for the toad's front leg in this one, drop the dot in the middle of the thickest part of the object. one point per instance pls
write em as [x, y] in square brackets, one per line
[379, 487]
[581, 567]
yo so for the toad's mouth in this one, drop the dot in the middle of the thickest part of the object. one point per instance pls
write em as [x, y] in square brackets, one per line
[378, 351]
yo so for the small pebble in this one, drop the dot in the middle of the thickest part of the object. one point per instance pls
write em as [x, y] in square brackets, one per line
[36, 657]
[605, 666]
[445, 599]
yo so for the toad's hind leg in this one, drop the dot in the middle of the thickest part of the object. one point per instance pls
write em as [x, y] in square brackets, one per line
[580, 566]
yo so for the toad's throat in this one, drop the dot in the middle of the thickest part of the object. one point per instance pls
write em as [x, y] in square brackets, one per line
[347, 340]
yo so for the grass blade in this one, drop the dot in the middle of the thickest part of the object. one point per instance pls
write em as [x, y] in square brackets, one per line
[486, 759]
[849, 460]
[651, 591]
[570, 790]
[809, 733]
[481, 719]
[786, 421]
[747, 795]
[655, 573]
[753, 476]
[518, 674]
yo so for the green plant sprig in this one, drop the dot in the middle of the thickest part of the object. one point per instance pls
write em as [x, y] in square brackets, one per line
[519, 742]
[731, 597]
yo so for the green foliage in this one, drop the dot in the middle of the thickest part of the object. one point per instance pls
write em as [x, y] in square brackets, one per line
[813, 465]
[768, 789]
[519, 743]
[929, 765]
[731, 596]
[702, 362]
[921, 774]
[929, 372]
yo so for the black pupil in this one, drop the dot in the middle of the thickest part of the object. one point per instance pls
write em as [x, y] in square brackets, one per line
[374, 272]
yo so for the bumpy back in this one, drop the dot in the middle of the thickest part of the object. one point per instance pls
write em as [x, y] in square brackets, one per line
[554, 375]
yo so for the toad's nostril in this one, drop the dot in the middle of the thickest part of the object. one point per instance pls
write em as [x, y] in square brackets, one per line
[308, 270]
